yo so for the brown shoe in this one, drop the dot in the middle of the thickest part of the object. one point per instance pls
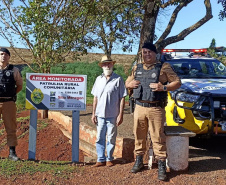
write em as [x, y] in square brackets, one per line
[98, 164]
[109, 163]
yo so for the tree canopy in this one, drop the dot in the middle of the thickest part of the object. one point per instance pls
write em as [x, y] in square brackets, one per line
[126, 20]
[116, 24]
[222, 13]
[50, 29]
[213, 43]
[53, 29]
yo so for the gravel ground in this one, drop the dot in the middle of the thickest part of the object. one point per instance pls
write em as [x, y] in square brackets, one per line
[207, 161]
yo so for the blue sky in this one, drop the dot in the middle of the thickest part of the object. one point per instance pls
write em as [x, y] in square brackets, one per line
[200, 38]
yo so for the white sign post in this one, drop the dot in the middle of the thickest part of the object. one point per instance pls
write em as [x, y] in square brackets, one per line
[55, 92]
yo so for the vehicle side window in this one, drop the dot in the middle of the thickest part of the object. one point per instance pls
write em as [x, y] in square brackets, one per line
[204, 67]
[185, 68]
[210, 68]
[176, 67]
[198, 68]
[219, 68]
[195, 68]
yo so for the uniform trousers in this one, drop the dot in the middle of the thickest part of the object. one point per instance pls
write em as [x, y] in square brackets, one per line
[8, 114]
[150, 119]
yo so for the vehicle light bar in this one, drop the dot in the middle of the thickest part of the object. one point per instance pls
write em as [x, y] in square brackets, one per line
[185, 50]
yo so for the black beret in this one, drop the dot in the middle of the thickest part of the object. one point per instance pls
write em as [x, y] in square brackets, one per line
[5, 50]
[150, 46]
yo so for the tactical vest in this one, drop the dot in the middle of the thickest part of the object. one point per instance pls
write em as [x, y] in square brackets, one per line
[144, 92]
[7, 82]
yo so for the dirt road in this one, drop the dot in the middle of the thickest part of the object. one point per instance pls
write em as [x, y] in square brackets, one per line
[207, 162]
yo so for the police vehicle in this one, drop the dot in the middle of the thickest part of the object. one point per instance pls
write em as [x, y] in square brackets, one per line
[199, 105]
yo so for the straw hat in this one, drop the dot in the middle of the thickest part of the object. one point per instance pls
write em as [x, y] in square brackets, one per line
[106, 59]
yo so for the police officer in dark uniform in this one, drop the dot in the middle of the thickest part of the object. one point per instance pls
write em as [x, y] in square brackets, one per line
[10, 84]
[150, 81]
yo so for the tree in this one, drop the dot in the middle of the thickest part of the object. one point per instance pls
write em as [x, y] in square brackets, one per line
[117, 24]
[222, 13]
[215, 52]
[106, 24]
[213, 44]
[211, 49]
[50, 29]
[151, 12]
[113, 25]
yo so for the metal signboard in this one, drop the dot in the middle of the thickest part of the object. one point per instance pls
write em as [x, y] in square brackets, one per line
[55, 91]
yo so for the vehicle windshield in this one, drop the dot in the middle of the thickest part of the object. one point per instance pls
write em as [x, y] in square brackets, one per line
[198, 68]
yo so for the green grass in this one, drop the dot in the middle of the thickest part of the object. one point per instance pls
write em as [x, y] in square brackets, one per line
[89, 100]
[63, 169]
[2, 131]
[22, 118]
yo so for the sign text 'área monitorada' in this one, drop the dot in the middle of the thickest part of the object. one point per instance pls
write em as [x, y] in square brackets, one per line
[55, 91]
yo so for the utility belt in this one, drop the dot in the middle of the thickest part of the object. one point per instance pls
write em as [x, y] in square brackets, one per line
[5, 99]
[161, 104]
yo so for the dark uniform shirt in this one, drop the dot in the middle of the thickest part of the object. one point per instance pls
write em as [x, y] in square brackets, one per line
[166, 73]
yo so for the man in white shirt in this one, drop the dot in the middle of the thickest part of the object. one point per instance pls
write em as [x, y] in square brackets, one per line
[109, 93]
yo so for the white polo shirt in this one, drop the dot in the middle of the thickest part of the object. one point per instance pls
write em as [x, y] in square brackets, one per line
[108, 93]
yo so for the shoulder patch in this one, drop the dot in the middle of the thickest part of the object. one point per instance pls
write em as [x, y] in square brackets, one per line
[7, 73]
[153, 75]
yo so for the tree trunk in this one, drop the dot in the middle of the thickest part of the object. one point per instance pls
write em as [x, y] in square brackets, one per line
[148, 27]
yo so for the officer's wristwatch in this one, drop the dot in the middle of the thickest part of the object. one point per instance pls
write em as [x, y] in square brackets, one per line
[164, 88]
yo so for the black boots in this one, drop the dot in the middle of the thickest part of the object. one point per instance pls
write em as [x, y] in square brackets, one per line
[138, 166]
[162, 170]
[12, 154]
